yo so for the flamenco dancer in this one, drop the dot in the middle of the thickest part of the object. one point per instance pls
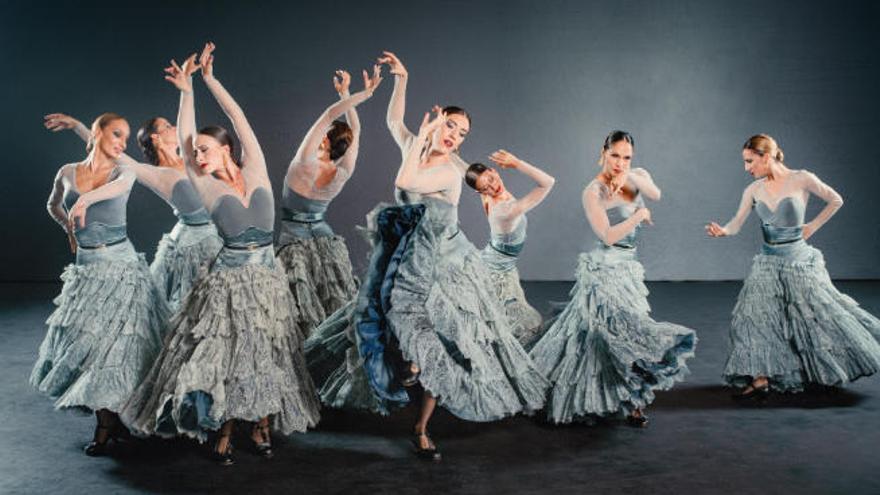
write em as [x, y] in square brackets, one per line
[791, 327]
[315, 259]
[193, 242]
[234, 351]
[107, 327]
[427, 313]
[507, 224]
[604, 354]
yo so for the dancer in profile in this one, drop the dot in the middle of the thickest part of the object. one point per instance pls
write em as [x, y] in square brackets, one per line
[791, 327]
[316, 260]
[193, 242]
[107, 327]
[234, 351]
[507, 224]
[427, 313]
[604, 354]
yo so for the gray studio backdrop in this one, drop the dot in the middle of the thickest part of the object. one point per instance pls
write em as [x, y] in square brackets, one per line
[545, 80]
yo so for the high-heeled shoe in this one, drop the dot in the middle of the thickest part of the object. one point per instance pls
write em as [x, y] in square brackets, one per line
[428, 454]
[640, 421]
[223, 458]
[410, 375]
[263, 448]
[97, 448]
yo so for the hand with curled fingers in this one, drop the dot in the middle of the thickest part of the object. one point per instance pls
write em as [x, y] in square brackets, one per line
[181, 77]
[394, 64]
[342, 82]
[206, 60]
[505, 159]
[428, 126]
[715, 230]
[59, 121]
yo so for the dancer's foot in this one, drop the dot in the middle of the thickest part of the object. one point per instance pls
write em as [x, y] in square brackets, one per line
[758, 389]
[100, 442]
[637, 419]
[411, 375]
[222, 453]
[262, 438]
[424, 447]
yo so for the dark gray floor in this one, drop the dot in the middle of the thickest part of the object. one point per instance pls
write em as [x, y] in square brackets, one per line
[699, 441]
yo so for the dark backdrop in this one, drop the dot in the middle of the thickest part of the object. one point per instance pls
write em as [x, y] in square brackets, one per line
[546, 80]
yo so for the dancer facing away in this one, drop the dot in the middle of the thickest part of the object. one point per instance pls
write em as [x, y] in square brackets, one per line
[507, 224]
[791, 327]
[108, 325]
[193, 242]
[235, 347]
[315, 259]
[426, 313]
[604, 354]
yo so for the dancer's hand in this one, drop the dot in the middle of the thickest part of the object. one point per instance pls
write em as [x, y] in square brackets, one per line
[505, 159]
[715, 230]
[341, 82]
[77, 215]
[59, 121]
[371, 82]
[644, 215]
[178, 76]
[807, 231]
[206, 60]
[394, 64]
[616, 182]
[428, 126]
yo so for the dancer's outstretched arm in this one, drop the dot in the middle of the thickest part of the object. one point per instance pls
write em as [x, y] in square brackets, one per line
[732, 227]
[598, 218]
[397, 105]
[121, 184]
[544, 181]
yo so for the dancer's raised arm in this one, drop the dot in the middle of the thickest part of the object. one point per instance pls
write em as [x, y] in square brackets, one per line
[644, 183]
[397, 105]
[544, 181]
[434, 179]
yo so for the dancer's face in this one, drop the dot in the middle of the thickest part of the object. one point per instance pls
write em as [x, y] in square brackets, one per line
[211, 156]
[448, 137]
[490, 183]
[755, 164]
[618, 158]
[111, 140]
[165, 132]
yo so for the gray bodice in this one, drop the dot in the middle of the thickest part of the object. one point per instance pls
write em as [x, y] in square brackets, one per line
[105, 220]
[784, 224]
[241, 226]
[187, 204]
[302, 217]
[509, 243]
[442, 215]
[621, 213]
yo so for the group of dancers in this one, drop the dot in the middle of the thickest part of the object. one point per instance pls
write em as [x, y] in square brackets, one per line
[227, 325]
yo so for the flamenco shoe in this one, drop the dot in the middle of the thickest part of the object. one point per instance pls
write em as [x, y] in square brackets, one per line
[98, 448]
[637, 421]
[223, 458]
[410, 375]
[263, 448]
[426, 454]
[752, 392]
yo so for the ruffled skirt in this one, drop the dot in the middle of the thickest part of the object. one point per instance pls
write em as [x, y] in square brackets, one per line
[234, 352]
[320, 276]
[603, 353]
[105, 333]
[179, 258]
[525, 321]
[792, 325]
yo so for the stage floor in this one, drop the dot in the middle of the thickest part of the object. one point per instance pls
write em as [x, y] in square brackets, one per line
[698, 441]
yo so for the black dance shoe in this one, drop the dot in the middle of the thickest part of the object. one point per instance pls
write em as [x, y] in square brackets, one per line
[753, 393]
[410, 375]
[640, 421]
[426, 454]
[223, 458]
[263, 448]
[96, 448]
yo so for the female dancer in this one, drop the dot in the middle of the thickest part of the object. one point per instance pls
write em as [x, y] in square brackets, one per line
[507, 223]
[235, 348]
[108, 326]
[315, 259]
[427, 313]
[194, 241]
[603, 353]
[791, 327]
